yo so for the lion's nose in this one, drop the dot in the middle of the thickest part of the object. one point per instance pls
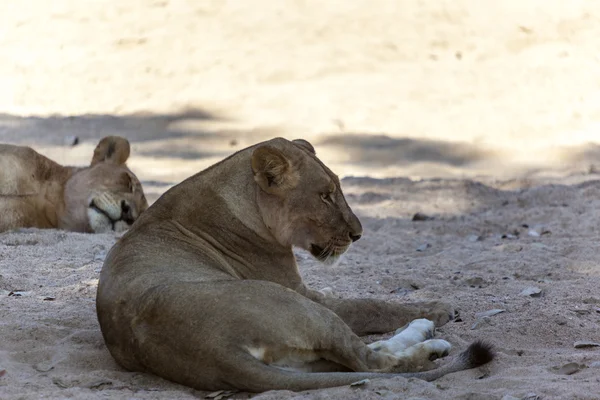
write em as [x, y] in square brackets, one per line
[355, 237]
[126, 213]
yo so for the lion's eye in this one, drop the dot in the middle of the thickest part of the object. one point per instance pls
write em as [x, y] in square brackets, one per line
[326, 197]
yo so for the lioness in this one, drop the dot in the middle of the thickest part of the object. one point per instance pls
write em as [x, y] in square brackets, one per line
[204, 289]
[36, 192]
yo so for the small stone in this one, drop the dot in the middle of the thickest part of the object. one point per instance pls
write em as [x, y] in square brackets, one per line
[531, 291]
[423, 247]
[560, 320]
[538, 230]
[595, 364]
[361, 382]
[570, 368]
[581, 344]
[43, 367]
[475, 281]
[474, 238]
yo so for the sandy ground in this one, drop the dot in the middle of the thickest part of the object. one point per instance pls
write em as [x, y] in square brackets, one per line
[480, 114]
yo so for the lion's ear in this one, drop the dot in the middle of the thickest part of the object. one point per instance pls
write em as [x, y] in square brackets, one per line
[305, 144]
[273, 172]
[126, 180]
[111, 149]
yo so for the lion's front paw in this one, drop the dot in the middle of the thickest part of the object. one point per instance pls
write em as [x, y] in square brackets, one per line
[439, 312]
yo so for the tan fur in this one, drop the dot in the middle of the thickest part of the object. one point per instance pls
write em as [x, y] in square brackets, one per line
[204, 290]
[37, 192]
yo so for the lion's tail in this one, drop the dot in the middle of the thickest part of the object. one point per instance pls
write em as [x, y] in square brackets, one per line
[264, 377]
[478, 353]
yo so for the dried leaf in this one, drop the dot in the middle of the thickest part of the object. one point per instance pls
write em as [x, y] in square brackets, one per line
[489, 313]
[97, 384]
[580, 344]
[360, 383]
[421, 217]
[19, 293]
[220, 394]
[60, 383]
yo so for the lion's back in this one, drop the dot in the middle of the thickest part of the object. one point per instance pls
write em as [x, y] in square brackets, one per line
[26, 178]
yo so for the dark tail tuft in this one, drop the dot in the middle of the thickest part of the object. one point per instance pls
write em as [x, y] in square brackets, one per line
[479, 353]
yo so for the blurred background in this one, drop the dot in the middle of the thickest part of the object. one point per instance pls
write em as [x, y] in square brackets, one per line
[458, 88]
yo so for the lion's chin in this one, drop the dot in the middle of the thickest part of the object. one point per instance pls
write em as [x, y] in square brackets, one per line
[328, 255]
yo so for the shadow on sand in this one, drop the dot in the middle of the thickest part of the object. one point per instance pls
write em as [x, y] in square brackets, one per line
[382, 150]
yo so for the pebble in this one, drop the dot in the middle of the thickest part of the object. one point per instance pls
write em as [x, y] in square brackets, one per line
[474, 238]
[538, 231]
[531, 291]
[43, 367]
[570, 368]
[476, 281]
[595, 364]
[423, 247]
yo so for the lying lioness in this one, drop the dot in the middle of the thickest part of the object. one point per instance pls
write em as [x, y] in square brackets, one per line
[36, 192]
[204, 290]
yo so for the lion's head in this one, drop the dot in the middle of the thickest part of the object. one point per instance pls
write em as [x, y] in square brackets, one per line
[301, 200]
[106, 196]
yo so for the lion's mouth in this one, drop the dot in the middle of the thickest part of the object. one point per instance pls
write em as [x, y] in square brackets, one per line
[328, 254]
[124, 216]
[317, 251]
